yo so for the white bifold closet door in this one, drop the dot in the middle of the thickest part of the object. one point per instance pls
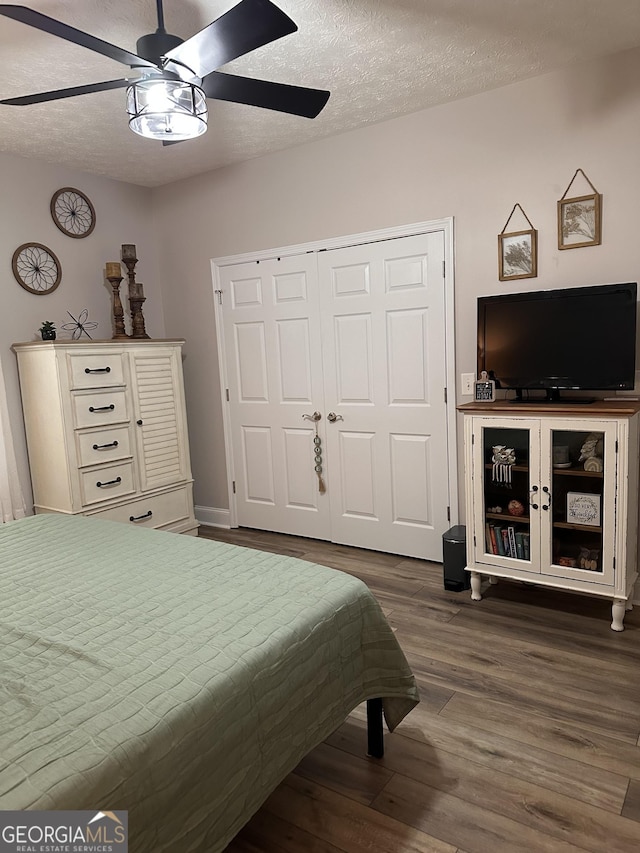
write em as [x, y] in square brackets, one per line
[358, 335]
[273, 353]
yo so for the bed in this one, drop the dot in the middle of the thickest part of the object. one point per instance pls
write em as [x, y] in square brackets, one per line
[177, 678]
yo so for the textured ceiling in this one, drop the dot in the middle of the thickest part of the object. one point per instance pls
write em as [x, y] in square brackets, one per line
[379, 59]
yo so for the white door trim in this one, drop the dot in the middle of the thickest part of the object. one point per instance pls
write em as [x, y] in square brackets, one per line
[446, 226]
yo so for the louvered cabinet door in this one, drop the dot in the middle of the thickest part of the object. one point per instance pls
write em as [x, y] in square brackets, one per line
[156, 379]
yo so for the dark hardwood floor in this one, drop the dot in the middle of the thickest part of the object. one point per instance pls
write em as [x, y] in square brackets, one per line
[526, 737]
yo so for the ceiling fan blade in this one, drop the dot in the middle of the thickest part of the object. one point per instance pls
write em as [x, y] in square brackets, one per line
[296, 100]
[63, 31]
[245, 27]
[57, 94]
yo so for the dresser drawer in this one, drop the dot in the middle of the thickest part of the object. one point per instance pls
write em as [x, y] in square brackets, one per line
[107, 482]
[99, 408]
[103, 445]
[95, 371]
[155, 511]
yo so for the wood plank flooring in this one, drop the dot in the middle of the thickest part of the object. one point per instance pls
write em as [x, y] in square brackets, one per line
[526, 737]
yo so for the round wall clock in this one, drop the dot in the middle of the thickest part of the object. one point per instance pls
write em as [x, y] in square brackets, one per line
[36, 268]
[72, 212]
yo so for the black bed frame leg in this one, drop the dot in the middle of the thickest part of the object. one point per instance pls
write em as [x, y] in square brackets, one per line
[375, 738]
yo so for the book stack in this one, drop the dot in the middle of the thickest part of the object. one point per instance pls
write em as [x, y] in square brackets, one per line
[507, 541]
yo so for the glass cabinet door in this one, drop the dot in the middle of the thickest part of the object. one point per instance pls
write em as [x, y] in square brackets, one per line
[505, 458]
[577, 500]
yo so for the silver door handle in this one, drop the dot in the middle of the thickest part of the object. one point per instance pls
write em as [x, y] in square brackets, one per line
[332, 417]
[314, 417]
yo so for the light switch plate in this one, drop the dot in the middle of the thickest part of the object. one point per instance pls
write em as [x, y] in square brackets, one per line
[466, 381]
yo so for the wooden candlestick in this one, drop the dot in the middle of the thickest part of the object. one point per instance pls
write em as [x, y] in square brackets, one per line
[137, 317]
[136, 296]
[114, 278]
[128, 251]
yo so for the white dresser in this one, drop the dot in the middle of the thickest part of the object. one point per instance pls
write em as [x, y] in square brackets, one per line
[107, 431]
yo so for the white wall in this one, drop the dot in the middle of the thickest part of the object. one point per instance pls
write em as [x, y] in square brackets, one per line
[122, 216]
[471, 159]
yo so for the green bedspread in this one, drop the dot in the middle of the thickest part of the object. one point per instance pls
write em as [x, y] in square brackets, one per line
[178, 678]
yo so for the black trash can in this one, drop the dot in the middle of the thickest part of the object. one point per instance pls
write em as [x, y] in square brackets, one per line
[454, 549]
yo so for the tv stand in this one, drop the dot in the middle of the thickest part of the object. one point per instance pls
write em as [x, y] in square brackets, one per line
[552, 395]
[572, 526]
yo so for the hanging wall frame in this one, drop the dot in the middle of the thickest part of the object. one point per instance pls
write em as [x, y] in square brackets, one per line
[579, 218]
[517, 251]
[72, 212]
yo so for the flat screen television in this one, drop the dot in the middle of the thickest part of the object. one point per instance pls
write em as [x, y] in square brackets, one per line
[578, 339]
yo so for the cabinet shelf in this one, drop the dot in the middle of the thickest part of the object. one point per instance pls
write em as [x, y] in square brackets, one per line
[501, 516]
[577, 472]
[587, 528]
[559, 472]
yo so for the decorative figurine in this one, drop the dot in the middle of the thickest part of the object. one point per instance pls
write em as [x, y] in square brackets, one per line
[503, 459]
[589, 559]
[136, 295]
[515, 508]
[591, 452]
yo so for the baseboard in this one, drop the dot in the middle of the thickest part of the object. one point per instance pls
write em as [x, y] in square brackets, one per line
[213, 517]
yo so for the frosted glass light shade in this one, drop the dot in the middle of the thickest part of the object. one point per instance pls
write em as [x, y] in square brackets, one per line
[170, 110]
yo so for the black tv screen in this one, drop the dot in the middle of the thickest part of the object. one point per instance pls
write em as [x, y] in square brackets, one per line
[581, 338]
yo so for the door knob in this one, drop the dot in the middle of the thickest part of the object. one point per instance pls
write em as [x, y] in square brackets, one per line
[332, 417]
[314, 417]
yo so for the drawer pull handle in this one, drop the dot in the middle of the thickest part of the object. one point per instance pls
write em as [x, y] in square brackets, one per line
[140, 517]
[102, 408]
[105, 446]
[109, 482]
[97, 370]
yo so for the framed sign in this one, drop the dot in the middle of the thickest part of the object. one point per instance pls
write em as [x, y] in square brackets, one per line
[484, 389]
[583, 508]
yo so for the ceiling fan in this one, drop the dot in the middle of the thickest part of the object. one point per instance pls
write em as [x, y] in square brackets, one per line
[167, 100]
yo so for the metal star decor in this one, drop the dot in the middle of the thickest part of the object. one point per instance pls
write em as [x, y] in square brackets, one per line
[80, 325]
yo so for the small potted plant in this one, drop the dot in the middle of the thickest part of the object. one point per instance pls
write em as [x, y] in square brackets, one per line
[48, 331]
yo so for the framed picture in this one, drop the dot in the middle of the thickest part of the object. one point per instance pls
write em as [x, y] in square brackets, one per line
[518, 255]
[579, 221]
[583, 508]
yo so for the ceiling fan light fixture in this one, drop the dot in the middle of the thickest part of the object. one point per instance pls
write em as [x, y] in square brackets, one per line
[169, 110]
